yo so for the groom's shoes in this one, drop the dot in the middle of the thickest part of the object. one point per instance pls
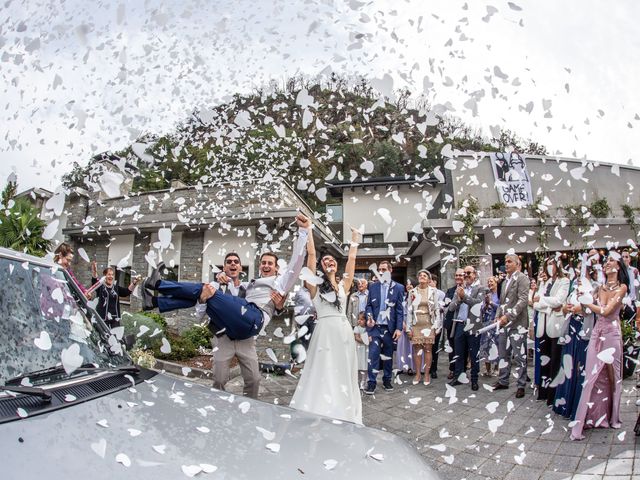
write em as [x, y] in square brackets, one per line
[152, 280]
[371, 389]
[147, 299]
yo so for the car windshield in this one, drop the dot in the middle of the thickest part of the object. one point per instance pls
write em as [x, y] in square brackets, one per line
[43, 327]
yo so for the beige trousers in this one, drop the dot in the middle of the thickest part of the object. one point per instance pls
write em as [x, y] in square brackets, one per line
[224, 349]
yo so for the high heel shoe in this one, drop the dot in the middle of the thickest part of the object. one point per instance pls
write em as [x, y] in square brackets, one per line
[426, 383]
[415, 382]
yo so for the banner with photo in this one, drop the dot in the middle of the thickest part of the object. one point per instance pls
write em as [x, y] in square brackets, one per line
[511, 178]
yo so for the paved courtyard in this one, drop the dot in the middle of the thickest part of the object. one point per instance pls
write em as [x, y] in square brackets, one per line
[490, 435]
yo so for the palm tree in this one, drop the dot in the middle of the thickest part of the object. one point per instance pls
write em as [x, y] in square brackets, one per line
[21, 229]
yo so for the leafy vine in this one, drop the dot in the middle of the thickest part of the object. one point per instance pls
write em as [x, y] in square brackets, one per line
[468, 214]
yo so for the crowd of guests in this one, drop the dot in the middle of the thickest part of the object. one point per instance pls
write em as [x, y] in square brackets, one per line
[567, 320]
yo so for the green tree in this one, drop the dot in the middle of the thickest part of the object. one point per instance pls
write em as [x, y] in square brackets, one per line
[9, 191]
[21, 229]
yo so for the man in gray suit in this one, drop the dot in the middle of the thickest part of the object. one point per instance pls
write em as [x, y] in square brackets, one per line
[514, 320]
[358, 301]
[466, 323]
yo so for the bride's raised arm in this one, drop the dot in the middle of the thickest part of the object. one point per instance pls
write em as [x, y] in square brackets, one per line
[350, 268]
[311, 262]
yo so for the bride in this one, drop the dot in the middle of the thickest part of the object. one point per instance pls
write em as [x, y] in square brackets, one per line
[329, 382]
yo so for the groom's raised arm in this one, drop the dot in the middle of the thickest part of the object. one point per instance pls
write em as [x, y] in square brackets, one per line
[289, 278]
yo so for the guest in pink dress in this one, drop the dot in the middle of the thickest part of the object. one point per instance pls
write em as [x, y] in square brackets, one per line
[599, 404]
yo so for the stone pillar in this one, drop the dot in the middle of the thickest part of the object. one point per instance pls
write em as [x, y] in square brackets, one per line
[139, 265]
[191, 256]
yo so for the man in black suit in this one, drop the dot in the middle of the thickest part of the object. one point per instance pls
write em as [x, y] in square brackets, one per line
[433, 371]
[448, 326]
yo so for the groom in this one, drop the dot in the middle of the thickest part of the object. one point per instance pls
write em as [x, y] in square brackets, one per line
[385, 318]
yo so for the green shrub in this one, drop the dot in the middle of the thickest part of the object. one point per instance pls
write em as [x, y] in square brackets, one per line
[144, 358]
[181, 349]
[159, 319]
[600, 208]
[133, 322]
[628, 333]
[199, 336]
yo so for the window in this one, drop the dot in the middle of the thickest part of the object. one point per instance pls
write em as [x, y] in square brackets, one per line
[120, 253]
[334, 213]
[170, 255]
[123, 278]
[28, 310]
[373, 238]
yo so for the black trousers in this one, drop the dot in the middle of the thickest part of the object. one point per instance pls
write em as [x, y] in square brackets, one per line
[549, 348]
[434, 354]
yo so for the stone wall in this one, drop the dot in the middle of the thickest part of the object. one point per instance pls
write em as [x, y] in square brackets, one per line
[191, 256]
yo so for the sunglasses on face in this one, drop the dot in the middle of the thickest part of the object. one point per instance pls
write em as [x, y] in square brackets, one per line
[230, 261]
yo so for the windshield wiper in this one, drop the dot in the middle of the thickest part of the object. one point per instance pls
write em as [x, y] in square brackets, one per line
[121, 368]
[32, 391]
[59, 369]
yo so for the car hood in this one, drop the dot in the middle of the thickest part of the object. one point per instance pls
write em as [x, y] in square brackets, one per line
[165, 428]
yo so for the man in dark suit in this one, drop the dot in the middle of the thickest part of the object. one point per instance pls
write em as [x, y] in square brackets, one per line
[467, 323]
[514, 322]
[433, 371]
[448, 326]
[385, 318]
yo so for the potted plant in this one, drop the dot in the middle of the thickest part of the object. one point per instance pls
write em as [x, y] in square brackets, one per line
[630, 349]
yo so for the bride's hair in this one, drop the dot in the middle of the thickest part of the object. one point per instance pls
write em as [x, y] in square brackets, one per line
[623, 275]
[326, 286]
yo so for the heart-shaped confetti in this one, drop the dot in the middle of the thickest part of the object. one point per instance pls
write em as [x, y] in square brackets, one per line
[43, 342]
[100, 447]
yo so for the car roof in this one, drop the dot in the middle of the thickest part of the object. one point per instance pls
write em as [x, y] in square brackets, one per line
[23, 257]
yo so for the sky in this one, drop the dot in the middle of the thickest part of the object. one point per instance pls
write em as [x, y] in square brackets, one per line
[81, 77]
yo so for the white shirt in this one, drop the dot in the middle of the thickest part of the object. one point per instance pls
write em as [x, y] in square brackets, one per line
[258, 291]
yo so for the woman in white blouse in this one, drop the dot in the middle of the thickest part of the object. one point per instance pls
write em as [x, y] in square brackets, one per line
[548, 303]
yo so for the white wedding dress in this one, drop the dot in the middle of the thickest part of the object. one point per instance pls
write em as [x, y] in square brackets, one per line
[329, 382]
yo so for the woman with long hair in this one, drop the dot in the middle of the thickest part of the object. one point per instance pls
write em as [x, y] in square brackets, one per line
[109, 294]
[548, 303]
[599, 404]
[329, 382]
[423, 319]
[576, 341]
[63, 255]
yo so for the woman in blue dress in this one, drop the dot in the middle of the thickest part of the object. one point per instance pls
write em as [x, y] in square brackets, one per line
[576, 341]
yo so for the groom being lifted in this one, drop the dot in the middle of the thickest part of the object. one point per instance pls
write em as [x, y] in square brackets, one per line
[238, 318]
[385, 317]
